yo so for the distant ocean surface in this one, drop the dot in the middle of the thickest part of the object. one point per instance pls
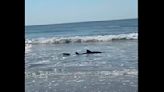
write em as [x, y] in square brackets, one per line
[114, 70]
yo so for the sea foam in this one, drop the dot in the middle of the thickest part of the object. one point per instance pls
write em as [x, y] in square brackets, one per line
[83, 39]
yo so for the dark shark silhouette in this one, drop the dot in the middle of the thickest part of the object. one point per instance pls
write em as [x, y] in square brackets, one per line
[88, 52]
[66, 54]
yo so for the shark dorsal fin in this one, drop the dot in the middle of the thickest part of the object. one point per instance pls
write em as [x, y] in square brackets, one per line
[77, 53]
[88, 51]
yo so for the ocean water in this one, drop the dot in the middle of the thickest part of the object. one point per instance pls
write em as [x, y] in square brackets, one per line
[113, 70]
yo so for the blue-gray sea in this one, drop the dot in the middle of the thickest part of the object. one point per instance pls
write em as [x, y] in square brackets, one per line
[113, 70]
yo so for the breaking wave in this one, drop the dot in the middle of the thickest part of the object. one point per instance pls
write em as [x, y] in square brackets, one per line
[82, 39]
[27, 48]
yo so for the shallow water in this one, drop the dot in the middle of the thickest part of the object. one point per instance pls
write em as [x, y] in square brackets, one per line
[114, 70]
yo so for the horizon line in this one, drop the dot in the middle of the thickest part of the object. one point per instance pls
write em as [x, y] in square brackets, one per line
[78, 22]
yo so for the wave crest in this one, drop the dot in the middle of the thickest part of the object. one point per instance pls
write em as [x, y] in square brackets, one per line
[27, 48]
[83, 39]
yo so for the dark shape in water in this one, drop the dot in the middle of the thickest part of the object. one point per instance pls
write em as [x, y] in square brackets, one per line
[66, 54]
[88, 52]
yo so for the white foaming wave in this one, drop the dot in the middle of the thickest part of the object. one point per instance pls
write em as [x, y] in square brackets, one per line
[83, 39]
[27, 48]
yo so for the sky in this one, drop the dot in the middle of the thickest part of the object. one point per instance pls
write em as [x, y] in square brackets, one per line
[40, 12]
